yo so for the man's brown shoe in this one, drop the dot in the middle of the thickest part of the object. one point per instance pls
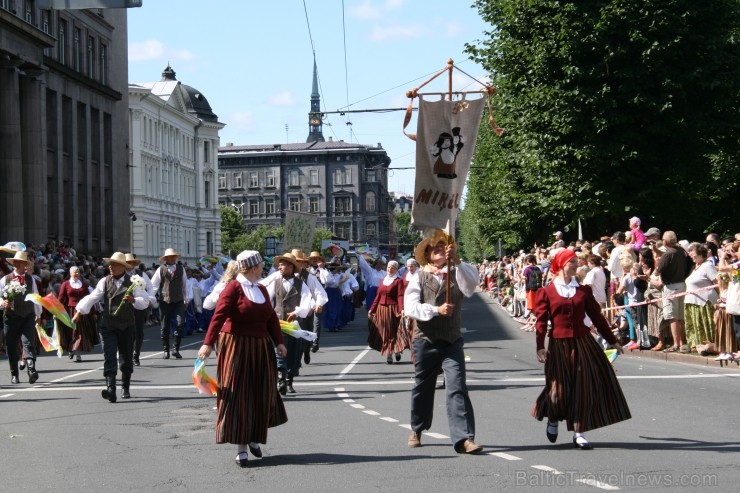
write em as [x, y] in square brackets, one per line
[469, 447]
[414, 440]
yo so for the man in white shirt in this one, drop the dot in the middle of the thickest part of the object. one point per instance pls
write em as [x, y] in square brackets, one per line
[170, 284]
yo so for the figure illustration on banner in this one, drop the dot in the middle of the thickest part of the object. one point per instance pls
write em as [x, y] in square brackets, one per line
[445, 149]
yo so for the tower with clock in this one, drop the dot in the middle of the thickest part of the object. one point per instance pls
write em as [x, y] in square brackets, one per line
[314, 117]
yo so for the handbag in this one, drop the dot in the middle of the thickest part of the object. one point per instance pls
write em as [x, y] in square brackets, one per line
[733, 299]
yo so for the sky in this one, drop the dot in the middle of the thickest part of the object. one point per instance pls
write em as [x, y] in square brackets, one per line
[253, 61]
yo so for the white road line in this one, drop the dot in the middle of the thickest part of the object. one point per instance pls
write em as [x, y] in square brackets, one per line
[384, 418]
[435, 435]
[597, 484]
[342, 394]
[408, 427]
[357, 359]
[6, 395]
[357, 406]
[548, 469]
[371, 413]
[348, 400]
[503, 455]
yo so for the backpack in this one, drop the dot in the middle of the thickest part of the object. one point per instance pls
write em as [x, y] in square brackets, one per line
[534, 280]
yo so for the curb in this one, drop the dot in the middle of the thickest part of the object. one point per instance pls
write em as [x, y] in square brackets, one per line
[692, 359]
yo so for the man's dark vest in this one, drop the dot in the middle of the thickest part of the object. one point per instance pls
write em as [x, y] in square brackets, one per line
[287, 302]
[171, 285]
[112, 298]
[439, 328]
[20, 307]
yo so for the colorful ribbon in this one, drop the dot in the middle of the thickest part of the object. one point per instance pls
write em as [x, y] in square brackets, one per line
[203, 381]
[292, 329]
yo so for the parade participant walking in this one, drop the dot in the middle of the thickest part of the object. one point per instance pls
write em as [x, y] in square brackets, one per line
[580, 385]
[19, 316]
[84, 338]
[246, 332]
[372, 276]
[438, 341]
[385, 332]
[139, 315]
[121, 295]
[318, 299]
[291, 299]
[169, 282]
[318, 269]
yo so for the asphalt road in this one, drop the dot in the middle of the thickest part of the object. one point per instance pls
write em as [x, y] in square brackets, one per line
[348, 425]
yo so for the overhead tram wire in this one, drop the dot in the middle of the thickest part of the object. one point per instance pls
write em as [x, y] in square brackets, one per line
[346, 76]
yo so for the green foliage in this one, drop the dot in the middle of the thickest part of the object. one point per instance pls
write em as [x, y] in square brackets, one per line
[235, 237]
[408, 236]
[611, 108]
[320, 234]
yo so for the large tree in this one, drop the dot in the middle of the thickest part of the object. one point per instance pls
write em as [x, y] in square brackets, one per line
[611, 109]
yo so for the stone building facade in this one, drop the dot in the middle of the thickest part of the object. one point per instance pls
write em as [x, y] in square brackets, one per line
[63, 122]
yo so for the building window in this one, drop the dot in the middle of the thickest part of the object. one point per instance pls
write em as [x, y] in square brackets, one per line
[238, 180]
[371, 175]
[294, 178]
[313, 205]
[4, 4]
[29, 11]
[91, 57]
[342, 206]
[338, 177]
[294, 204]
[269, 178]
[370, 230]
[370, 202]
[206, 151]
[222, 181]
[62, 42]
[343, 230]
[314, 174]
[253, 180]
[46, 27]
[103, 64]
[254, 208]
[348, 177]
[270, 206]
[77, 49]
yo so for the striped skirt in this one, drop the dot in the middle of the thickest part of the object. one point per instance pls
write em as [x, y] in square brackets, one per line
[84, 338]
[386, 332]
[726, 340]
[580, 387]
[248, 402]
[699, 324]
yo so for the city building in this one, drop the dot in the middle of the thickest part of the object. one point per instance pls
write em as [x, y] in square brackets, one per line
[345, 185]
[173, 146]
[63, 110]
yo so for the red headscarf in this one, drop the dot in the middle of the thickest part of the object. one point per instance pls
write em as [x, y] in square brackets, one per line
[562, 258]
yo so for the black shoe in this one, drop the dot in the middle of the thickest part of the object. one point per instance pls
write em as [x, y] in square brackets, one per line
[21, 365]
[176, 354]
[125, 394]
[136, 360]
[307, 357]
[290, 388]
[242, 459]
[256, 451]
[33, 375]
[389, 359]
[314, 347]
[71, 355]
[109, 393]
[552, 431]
[398, 356]
[582, 444]
[14, 379]
[166, 354]
[282, 384]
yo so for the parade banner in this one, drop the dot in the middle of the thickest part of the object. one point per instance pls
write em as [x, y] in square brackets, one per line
[445, 141]
[299, 231]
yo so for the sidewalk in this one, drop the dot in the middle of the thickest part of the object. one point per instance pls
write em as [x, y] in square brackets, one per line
[692, 359]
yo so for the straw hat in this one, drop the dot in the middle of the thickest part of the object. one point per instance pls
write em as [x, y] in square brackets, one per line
[288, 257]
[436, 236]
[316, 256]
[170, 252]
[117, 258]
[20, 256]
[132, 261]
[299, 255]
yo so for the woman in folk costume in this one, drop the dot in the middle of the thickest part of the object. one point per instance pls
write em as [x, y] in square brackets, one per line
[373, 277]
[385, 333]
[246, 330]
[85, 337]
[580, 385]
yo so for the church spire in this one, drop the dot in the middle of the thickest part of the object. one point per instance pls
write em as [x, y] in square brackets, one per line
[314, 117]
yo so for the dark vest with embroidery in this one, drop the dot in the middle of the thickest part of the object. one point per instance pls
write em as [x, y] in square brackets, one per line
[111, 300]
[20, 307]
[171, 285]
[286, 302]
[439, 328]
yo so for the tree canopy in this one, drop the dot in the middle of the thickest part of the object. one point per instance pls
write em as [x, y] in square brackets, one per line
[611, 109]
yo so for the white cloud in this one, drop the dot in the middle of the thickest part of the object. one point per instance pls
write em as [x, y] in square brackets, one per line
[153, 49]
[284, 98]
[241, 120]
[394, 4]
[395, 33]
[366, 10]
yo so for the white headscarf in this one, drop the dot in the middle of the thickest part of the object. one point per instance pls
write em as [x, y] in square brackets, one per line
[388, 280]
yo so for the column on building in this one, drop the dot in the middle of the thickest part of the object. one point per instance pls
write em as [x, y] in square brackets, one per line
[11, 155]
[33, 139]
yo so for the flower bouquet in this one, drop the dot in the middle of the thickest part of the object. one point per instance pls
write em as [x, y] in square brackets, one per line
[13, 290]
[137, 282]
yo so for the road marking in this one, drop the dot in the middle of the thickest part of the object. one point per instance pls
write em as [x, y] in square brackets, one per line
[371, 413]
[597, 484]
[548, 469]
[6, 395]
[357, 359]
[384, 418]
[357, 406]
[503, 455]
[436, 435]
